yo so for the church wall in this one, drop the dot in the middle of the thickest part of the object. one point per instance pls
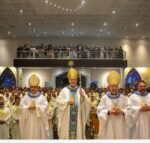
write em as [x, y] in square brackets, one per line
[100, 75]
[137, 51]
[97, 74]
[47, 75]
[43, 74]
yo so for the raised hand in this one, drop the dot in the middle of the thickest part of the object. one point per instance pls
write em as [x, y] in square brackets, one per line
[81, 93]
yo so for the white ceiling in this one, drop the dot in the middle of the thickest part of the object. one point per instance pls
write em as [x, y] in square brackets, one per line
[49, 21]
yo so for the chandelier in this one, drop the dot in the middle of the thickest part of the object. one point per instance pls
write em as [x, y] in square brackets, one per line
[67, 9]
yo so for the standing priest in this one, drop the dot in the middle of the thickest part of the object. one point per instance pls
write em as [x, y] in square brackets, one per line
[140, 112]
[112, 111]
[5, 116]
[73, 109]
[33, 119]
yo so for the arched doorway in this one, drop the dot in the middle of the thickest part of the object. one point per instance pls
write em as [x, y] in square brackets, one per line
[7, 79]
[62, 80]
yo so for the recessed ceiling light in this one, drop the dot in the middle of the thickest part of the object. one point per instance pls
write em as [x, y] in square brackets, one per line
[46, 1]
[72, 24]
[83, 1]
[137, 24]
[113, 12]
[29, 23]
[105, 23]
[9, 32]
[63, 32]
[20, 11]
[45, 32]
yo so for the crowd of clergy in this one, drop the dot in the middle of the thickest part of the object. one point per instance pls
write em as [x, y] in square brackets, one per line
[44, 113]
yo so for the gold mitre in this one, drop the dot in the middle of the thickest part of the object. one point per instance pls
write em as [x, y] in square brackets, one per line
[113, 78]
[34, 80]
[72, 73]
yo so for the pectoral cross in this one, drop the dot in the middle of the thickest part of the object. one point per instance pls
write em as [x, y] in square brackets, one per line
[73, 97]
[116, 105]
[143, 102]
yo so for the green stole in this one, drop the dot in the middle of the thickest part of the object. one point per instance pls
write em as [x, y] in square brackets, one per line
[73, 114]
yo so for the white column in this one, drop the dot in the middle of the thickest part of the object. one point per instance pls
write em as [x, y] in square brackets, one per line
[19, 77]
[17, 80]
[122, 70]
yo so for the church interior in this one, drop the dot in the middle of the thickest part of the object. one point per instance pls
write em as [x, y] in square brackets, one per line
[43, 37]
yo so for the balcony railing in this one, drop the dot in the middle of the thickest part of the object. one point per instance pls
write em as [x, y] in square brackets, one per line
[104, 55]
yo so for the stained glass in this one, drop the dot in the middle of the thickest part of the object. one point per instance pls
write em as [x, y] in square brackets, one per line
[7, 79]
[132, 78]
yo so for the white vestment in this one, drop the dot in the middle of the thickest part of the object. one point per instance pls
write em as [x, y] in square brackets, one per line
[34, 123]
[50, 118]
[64, 114]
[15, 130]
[112, 126]
[5, 115]
[140, 120]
